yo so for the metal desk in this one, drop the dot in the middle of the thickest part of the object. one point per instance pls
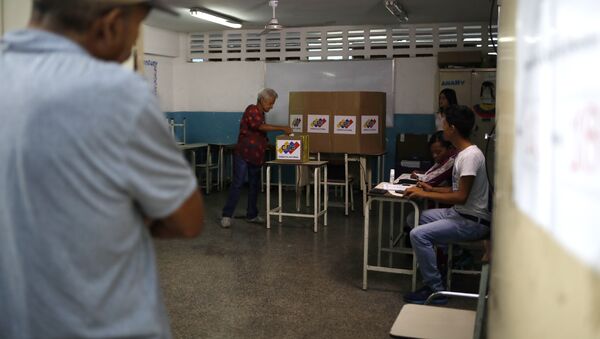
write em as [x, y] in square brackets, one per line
[222, 148]
[366, 172]
[317, 211]
[193, 148]
[393, 239]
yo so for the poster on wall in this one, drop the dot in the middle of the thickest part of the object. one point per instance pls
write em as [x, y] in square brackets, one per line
[557, 142]
[151, 74]
[296, 123]
[318, 123]
[344, 124]
[369, 124]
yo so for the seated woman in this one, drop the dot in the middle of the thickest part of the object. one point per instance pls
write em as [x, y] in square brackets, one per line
[443, 153]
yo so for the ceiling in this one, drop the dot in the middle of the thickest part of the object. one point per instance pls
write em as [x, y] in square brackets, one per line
[254, 14]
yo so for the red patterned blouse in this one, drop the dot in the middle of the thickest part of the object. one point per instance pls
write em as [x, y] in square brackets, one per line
[252, 142]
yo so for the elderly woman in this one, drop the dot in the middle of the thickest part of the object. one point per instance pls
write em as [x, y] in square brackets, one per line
[249, 156]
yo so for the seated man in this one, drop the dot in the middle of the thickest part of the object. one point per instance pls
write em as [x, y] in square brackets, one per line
[468, 219]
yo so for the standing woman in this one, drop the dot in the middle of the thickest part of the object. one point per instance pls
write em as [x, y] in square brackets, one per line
[447, 98]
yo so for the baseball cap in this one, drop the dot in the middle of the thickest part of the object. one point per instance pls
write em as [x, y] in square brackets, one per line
[158, 4]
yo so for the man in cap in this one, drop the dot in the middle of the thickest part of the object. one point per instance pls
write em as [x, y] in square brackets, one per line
[89, 173]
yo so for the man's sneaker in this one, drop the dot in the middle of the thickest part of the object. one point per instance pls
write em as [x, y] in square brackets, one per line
[225, 222]
[256, 220]
[420, 296]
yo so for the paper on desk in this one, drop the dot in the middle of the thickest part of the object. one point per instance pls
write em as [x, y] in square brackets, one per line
[404, 176]
[407, 176]
[392, 187]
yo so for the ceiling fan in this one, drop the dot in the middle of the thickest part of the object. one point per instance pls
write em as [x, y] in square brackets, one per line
[273, 25]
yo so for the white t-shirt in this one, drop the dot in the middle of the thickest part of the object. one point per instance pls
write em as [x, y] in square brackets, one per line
[471, 162]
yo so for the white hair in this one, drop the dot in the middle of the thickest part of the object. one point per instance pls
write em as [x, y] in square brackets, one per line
[267, 93]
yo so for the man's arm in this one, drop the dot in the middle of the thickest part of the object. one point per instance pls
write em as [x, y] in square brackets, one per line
[439, 189]
[271, 128]
[451, 198]
[186, 222]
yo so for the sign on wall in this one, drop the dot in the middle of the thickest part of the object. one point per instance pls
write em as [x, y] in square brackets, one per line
[344, 124]
[318, 123]
[296, 122]
[369, 124]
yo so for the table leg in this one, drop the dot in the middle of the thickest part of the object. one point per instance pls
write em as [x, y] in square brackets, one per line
[268, 196]
[326, 198]
[365, 243]
[298, 190]
[316, 198]
[193, 161]
[208, 160]
[279, 194]
[379, 170]
[363, 186]
[391, 237]
[379, 226]
[221, 165]
[414, 267]
[346, 183]
[382, 169]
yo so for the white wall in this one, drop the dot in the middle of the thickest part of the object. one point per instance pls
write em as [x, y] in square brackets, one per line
[165, 83]
[1, 17]
[416, 85]
[161, 42]
[165, 48]
[15, 14]
[217, 86]
[230, 86]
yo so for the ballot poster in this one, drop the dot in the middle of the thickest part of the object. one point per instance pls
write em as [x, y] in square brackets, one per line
[369, 124]
[289, 150]
[296, 123]
[556, 165]
[318, 123]
[344, 124]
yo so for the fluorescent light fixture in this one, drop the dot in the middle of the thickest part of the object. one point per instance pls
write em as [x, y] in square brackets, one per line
[205, 15]
[396, 9]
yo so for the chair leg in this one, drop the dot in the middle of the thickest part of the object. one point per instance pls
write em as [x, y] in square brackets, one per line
[352, 196]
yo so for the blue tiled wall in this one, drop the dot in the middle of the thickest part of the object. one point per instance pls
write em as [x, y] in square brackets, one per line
[223, 127]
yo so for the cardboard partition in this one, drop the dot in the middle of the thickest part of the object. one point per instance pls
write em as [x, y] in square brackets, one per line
[316, 109]
[372, 138]
[340, 122]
